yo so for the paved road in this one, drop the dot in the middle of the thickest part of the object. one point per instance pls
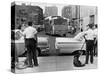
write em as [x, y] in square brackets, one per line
[56, 63]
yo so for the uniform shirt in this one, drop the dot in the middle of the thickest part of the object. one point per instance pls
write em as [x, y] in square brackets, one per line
[29, 32]
[90, 34]
[96, 33]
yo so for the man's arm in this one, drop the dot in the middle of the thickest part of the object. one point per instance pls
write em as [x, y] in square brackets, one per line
[23, 33]
[35, 34]
[79, 36]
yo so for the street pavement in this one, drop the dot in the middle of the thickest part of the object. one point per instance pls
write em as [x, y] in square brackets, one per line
[56, 63]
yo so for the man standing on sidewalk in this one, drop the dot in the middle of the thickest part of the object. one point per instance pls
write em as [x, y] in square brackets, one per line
[89, 35]
[30, 35]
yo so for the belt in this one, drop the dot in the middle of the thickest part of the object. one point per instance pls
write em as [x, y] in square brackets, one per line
[29, 38]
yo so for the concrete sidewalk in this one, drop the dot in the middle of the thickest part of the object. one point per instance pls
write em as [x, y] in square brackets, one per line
[56, 63]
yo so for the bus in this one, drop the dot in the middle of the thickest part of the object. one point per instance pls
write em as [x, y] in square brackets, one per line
[56, 25]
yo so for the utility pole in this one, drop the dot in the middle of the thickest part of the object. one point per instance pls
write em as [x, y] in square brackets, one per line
[78, 15]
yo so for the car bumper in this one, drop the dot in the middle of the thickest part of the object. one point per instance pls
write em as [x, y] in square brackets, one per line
[45, 51]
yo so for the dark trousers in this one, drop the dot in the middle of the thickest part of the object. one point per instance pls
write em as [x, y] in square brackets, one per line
[95, 48]
[31, 51]
[89, 50]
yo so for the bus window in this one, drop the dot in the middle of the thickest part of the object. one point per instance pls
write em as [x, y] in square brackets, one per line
[60, 22]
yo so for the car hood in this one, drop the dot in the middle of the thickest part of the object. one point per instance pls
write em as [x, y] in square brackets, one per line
[77, 38]
[68, 40]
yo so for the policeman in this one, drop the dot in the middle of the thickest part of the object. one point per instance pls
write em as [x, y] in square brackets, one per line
[30, 33]
[89, 35]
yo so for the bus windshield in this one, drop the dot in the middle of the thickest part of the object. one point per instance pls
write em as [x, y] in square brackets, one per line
[60, 21]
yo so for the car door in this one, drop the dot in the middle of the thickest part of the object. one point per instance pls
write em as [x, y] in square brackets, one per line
[68, 45]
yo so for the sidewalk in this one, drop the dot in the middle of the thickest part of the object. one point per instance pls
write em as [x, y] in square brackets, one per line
[56, 63]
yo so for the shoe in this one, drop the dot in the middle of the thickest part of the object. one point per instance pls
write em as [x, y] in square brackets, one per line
[36, 64]
[86, 63]
[91, 62]
[30, 66]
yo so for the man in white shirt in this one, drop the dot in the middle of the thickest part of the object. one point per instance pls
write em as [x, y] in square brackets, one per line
[30, 41]
[89, 36]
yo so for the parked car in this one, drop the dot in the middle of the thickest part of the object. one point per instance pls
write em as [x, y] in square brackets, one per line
[70, 45]
[42, 46]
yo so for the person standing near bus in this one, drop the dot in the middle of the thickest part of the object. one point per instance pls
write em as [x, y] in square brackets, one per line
[30, 35]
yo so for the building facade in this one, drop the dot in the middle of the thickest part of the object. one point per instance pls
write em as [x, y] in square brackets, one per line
[51, 11]
[88, 14]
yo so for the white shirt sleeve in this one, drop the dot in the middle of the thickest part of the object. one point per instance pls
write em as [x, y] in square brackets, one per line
[35, 31]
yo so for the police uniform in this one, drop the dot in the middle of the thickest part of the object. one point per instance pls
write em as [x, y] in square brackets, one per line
[89, 35]
[30, 41]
